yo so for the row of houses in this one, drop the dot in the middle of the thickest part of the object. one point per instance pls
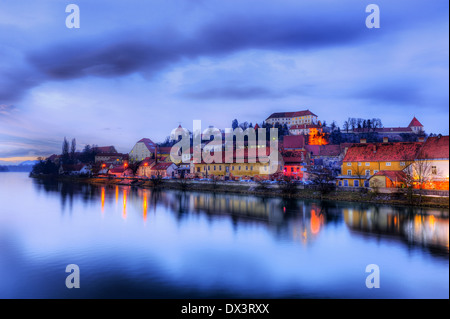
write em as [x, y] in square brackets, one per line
[401, 164]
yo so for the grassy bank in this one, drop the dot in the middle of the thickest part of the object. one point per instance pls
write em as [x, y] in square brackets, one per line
[263, 190]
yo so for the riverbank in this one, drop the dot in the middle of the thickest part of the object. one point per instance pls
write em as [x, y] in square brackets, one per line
[263, 190]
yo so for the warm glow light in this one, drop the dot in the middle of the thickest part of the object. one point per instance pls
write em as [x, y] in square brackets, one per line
[124, 213]
[316, 137]
[117, 194]
[103, 199]
[316, 222]
[144, 205]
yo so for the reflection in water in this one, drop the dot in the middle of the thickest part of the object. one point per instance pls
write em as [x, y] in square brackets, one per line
[176, 244]
[103, 200]
[414, 228]
[298, 220]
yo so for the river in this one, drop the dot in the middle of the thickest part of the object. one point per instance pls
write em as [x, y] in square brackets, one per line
[142, 243]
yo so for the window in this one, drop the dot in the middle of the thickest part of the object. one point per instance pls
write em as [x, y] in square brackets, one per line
[402, 163]
[232, 168]
[375, 171]
[366, 184]
[220, 167]
[239, 168]
[292, 169]
[349, 172]
[367, 164]
[246, 168]
[433, 170]
[345, 182]
[251, 168]
[356, 183]
[198, 169]
[388, 163]
[340, 183]
[349, 164]
[359, 163]
[367, 172]
[214, 167]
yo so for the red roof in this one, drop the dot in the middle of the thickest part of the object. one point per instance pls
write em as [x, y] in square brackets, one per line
[291, 114]
[435, 147]
[294, 141]
[394, 176]
[164, 149]
[415, 122]
[161, 166]
[105, 149]
[148, 143]
[380, 152]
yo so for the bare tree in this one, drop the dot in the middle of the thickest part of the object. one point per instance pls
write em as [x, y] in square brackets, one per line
[419, 172]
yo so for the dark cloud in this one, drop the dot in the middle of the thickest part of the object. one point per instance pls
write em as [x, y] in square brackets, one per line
[117, 55]
[233, 93]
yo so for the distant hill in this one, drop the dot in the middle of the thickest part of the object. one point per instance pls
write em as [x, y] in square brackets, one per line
[27, 163]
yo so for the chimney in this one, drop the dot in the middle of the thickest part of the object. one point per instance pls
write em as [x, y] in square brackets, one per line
[421, 139]
[363, 140]
[385, 139]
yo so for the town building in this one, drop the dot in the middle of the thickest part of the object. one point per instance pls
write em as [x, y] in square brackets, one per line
[433, 162]
[362, 160]
[292, 118]
[111, 158]
[241, 167]
[142, 149]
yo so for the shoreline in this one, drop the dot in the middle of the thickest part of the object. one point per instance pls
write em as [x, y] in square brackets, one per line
[395, 199]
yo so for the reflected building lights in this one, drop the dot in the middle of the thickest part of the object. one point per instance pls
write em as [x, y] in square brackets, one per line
[124, 213]
[103, 199]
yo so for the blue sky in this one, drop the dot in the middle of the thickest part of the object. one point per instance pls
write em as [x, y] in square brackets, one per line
[137, 68]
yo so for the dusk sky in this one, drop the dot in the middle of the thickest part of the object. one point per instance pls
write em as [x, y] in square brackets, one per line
[138, 68]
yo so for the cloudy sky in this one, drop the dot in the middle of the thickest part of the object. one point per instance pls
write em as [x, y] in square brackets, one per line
[138, 68]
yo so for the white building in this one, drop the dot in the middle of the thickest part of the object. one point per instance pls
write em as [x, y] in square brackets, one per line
[292, 118]
[142, 149]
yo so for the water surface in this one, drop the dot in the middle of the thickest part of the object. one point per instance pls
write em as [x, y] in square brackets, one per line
[140, 243]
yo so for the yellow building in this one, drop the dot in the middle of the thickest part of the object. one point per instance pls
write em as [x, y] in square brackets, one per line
[235, 170]
[363, 160]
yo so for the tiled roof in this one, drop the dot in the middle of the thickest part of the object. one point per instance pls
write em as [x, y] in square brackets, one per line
[164, 149]
[294, 141]
[435, 147]
[395, 176]
[290, 114]
[380, 152]
[148, 143]
[105, 149]
[161, 166]
[415, 122]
